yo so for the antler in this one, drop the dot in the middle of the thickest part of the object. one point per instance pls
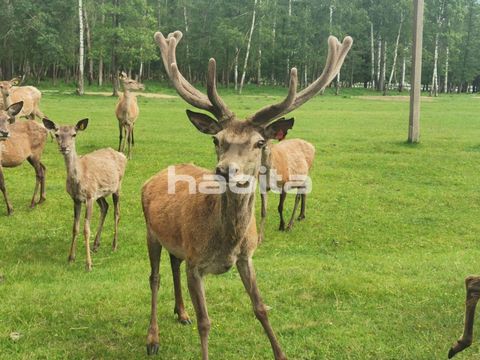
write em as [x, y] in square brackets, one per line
[336, 55]
[213, 102]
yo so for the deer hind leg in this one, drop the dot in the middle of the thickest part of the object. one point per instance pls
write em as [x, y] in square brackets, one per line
[86, 233]
[77, 207]
[39, 180]
[154, 252]
[120, 136]
[472, 284]
[292, 218]
[197, 294]
[247, 274]
[103, 213]
[283, 195]
[116, 214]
[4, 191]
[42, 184]
[302, 208]
[179, 309]
[263, 214]
[129, 129]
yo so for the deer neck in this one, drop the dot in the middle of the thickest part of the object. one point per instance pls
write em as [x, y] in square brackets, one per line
[6, 101]
[128, 97]
[71, 163]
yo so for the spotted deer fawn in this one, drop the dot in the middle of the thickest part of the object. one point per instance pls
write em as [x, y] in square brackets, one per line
[290, 160]
[30, 96]
[91, 177]
[472, 285]
[213, 232]
[20, 141]
[127, 112]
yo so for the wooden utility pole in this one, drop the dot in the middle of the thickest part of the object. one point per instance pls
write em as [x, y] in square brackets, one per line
[414, 124]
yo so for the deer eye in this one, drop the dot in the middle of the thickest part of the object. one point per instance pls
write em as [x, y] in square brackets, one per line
[215, 141]
[260, 144]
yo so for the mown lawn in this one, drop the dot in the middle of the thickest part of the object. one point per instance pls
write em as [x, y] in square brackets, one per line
[375, 272]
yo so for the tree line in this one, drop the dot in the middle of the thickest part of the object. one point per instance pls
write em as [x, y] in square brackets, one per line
[254, 41]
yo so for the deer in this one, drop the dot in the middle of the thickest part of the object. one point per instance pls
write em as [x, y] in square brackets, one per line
[30, 95]
[127, 112]
[91, 177]
[211, 232]
[20, 141]
[291, 160]
[472, 285]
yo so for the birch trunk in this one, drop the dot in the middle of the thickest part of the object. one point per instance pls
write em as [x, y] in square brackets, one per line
[185, 18]
[89, 47]
[372, 51]
[404, 65]
[383, 52]
[100, 60]
[379, 62]
[445, 90]
[237, 52]
[395, 52]
[80, 89]
[259, 67]
[242, 80]
[434, 89]
[274, 38]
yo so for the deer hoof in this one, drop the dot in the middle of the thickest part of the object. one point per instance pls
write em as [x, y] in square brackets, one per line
[289, 227]
[301, 217]
[152, 349]
[186, 321]
[10, 212]
[88, 267]
[281, 227]
[71, 259]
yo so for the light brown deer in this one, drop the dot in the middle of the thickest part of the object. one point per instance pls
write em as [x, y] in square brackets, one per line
[213, 232]
[472, 285]
[127, 112]
[20, 141]
[291, 160]
[30, 96]
[91, 177]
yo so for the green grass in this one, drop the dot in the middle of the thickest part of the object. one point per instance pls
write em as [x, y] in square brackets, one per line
[375, 272]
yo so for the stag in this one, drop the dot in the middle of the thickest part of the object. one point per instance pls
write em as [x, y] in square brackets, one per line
[213, 232]
[30, 95]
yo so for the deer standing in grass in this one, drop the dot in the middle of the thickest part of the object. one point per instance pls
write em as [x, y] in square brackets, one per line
[30, 96]
[291, 160]
[20, 141]
[472, 285]
[127, 112]
[213, 232]
[91, 177]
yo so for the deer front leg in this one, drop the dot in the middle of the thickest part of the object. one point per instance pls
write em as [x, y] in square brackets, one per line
[197, 294]
[292, 218]
[42, 184]
[120, 137]
[472, 283]
[179, 309]
[154, 253]
[102, 203]
[77, 207]
[4, 191]
[302, 208]
[116, 215]
[263, 214]
[283, 195]
[86, 233]
[247, 274]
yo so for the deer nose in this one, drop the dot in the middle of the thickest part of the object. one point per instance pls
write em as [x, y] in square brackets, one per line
[227, 171]
[4, 133]
[222, 171]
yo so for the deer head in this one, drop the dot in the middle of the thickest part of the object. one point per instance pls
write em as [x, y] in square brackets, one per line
[6, 86]
[7, 117]
[128, 83]
[239, 143]
[65, 134]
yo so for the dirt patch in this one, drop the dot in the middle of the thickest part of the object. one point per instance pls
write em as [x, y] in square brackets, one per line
[394, 98]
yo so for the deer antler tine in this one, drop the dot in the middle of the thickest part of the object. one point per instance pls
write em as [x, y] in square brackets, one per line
[219, 105]
[184, 94]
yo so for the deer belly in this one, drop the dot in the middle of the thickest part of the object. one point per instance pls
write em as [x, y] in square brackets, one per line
[219, 266]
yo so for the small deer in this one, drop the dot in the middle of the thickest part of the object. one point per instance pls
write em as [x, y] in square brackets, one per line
[20, 141]
[127, 112]
[214, 231]
[472, 285]
[91, 177]
[291, 160]
[30, 96]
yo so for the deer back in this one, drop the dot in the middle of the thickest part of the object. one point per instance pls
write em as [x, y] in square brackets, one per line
[27, 138]
[292, 157]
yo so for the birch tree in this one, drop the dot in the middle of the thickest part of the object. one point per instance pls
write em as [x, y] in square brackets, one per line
[395, 51]
[80, 89]
[242, 80]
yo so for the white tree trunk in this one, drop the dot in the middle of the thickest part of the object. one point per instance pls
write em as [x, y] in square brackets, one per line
[248, 47]
[395, 52]
[434, 89]
[185, 18]
[445, 90]
[372, 50]
[379, 61]
[404, 66]
[259, 67]
[274, 38]
[237, 52]
[81, 62]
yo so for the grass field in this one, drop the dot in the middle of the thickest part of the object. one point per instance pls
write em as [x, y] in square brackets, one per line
[375, 272]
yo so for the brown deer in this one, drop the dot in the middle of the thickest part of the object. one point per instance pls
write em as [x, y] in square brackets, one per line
[20, 141]
[472, 284]
[213, 232]
[30, 96]
[291, 160]
[127, 112]
[91, 177]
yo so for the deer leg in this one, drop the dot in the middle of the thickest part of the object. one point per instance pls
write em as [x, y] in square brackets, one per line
[472, 284]
[133, 139]
[77, 207]
[39, 180]
[116, 214]
[179, 309]
[154, 252]
[86, 233]
[197, 294]
[4, 191]
[263, 214]
[247, 274]
[283, 195]
[292, 218]
[103, 213]
[120, 137]
[42, 184]
[129, 141]
[302, 208]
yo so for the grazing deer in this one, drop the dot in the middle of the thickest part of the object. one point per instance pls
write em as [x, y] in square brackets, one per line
[472, 284]
[290, 159]
[127, 112]
[20, 141]
[30, 96]
[213, 232]
[91, 177]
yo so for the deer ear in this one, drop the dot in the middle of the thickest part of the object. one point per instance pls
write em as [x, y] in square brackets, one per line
[15, 81]
[49, 124]
[81, 125]
[14, 109]
[204, 123]
[278, 129]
